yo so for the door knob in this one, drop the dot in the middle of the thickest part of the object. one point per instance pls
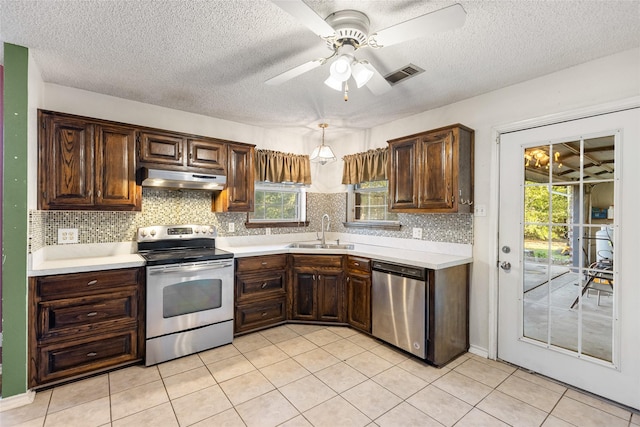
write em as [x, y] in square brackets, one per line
[506, 266]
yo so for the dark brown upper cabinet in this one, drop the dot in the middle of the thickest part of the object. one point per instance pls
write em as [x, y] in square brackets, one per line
[238, 195]
[85, 164]
[432, 172]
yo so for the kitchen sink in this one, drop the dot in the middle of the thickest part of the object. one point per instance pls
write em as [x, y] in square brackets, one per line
[320, 246]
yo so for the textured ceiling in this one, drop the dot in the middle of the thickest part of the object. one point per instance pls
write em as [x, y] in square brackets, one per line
[212, 57]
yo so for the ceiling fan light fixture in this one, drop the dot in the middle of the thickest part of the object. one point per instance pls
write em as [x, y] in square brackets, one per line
[333, 83]
[361, 74]
[341, 68]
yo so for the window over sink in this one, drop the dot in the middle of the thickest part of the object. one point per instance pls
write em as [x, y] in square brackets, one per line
[367, 206]
[278, 205]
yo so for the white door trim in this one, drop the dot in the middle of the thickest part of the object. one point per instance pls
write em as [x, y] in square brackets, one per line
[494, 197]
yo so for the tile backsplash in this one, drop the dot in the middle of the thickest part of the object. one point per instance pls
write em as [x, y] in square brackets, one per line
[194, 207]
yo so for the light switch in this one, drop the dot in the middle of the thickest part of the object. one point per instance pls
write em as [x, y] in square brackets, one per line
[480, 210]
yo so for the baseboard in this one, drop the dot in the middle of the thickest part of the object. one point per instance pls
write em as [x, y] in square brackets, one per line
[17, 400]
[478, 351]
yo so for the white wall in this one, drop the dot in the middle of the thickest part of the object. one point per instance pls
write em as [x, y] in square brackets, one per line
[35, 96]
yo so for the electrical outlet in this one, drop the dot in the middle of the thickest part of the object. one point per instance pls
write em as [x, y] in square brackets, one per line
[417, 233]
[67, 235]
[232, 227]
[480, 210]
[267, 231]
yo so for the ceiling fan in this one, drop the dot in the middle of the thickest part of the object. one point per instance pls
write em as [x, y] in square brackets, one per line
[346, 31]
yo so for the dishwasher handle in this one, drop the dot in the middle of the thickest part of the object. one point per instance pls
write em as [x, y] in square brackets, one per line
[409, 271]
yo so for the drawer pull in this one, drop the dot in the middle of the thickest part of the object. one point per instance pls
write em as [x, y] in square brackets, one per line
[357, 264]
[93, 282]
[264, 313]
[93, 313]
[92, 354]
[264, 263]
[264, 285]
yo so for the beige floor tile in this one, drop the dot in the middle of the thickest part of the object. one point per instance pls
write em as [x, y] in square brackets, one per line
[302, 329]
[322, 337]
[200, 405]
[336, 412]
[400, 382]
[511, 410]
[94, 413]
[463, 387]
[635, 419]
[219, 353]
[265, 356]
[35, 410]
[284, 372]
[458, 360]
[477, 418]
[584, 415]
[533, 394]
[343, 349]
[598, 403]
[36, 422]
[296, 346]
[246, 387]
[371, 399]
[541, 381]
[363, 341]
[439, 405]
[340, 377]
[316, 360]
[181, 364]
[422, 370]
[228, 418]
[79, 392]
[307, 392]
[343, 331]
[389, 354]
[187, 382]
[161, 415]
[250, 342]
[505, 367]
[406, 415]
[482, 372]
[552, 421]
[230, 368]
[279, 334]
[137, 399]
[299, 421]
[132, 376]
[268, 410]
[368, 363]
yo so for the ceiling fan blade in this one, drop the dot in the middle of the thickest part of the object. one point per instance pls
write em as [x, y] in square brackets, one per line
[377, 84]
[445, 19]
[295, 72]
[299, 10]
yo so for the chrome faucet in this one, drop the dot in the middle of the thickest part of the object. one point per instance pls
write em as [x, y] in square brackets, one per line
[323, 241]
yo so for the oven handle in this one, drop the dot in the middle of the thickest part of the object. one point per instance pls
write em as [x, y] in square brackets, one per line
[216, 266]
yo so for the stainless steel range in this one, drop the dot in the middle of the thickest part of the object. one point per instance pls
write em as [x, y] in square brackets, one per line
[189, 291]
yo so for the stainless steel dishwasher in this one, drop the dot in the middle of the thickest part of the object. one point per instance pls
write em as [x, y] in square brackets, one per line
[398, 306]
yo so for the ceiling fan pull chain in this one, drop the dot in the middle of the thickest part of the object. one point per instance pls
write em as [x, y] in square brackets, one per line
[346, 91]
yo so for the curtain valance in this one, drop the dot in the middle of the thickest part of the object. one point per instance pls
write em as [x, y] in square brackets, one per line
[367, 166]
[275, 166]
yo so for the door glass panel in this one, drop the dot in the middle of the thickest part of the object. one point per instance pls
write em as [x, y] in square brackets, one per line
[191, 297]
[568, 275]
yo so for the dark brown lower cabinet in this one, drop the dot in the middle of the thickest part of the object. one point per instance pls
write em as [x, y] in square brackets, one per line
[317, 288]
[359, 293]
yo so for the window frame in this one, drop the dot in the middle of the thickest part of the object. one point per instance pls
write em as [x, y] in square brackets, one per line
[353, 222]
[281, 188]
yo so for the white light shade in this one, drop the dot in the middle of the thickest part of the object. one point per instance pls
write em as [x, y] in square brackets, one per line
[333, 83]
[361, 74]
[341, 68]
[322, 154]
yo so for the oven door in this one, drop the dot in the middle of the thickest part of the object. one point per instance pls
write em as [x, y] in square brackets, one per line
[186, 296]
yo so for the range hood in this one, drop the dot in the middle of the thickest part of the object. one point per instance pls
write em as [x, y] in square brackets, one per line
[161, 178]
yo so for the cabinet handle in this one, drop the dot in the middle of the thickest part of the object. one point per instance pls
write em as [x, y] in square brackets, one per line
[264, 263]
[92, 354]
[357, 264]
[264, 313]
[99, 193]
[93, 313]
[264, 285]
[93, 282]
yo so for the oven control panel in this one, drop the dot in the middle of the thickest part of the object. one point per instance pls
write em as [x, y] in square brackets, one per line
[175, 232]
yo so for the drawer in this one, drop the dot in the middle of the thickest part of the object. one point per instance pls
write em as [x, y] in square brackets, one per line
[82, 356]
[317, 261]
[260, 314]
[71, 316]
[355, 263]
[261, 263]
[79, 284]
[260, 285]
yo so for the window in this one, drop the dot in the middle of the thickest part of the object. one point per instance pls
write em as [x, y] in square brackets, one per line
[279, 203]
[367, 205]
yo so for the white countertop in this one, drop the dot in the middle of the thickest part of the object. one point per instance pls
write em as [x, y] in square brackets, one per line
[76, 258]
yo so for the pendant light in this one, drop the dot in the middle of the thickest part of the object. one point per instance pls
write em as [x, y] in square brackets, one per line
[322, 153]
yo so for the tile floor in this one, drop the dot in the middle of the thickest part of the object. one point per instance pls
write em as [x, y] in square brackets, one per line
[304, 375]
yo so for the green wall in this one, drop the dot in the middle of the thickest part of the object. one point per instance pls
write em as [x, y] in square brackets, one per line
[14, 222]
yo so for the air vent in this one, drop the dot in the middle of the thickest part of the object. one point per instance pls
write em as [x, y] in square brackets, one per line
[403, 73]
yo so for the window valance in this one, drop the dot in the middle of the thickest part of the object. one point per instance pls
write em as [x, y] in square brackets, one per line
[275, 166]
[367, 166]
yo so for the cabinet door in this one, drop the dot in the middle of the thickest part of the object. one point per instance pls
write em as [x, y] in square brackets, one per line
[436, 189]
[303, 295]
[161, 148]
[116, 168]
[330, 295]
[65, 165]
[359, 301]
[404, 174]
[209, 154]
[238, 195]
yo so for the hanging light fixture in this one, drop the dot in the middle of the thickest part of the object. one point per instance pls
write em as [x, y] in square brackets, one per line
[322, 153]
